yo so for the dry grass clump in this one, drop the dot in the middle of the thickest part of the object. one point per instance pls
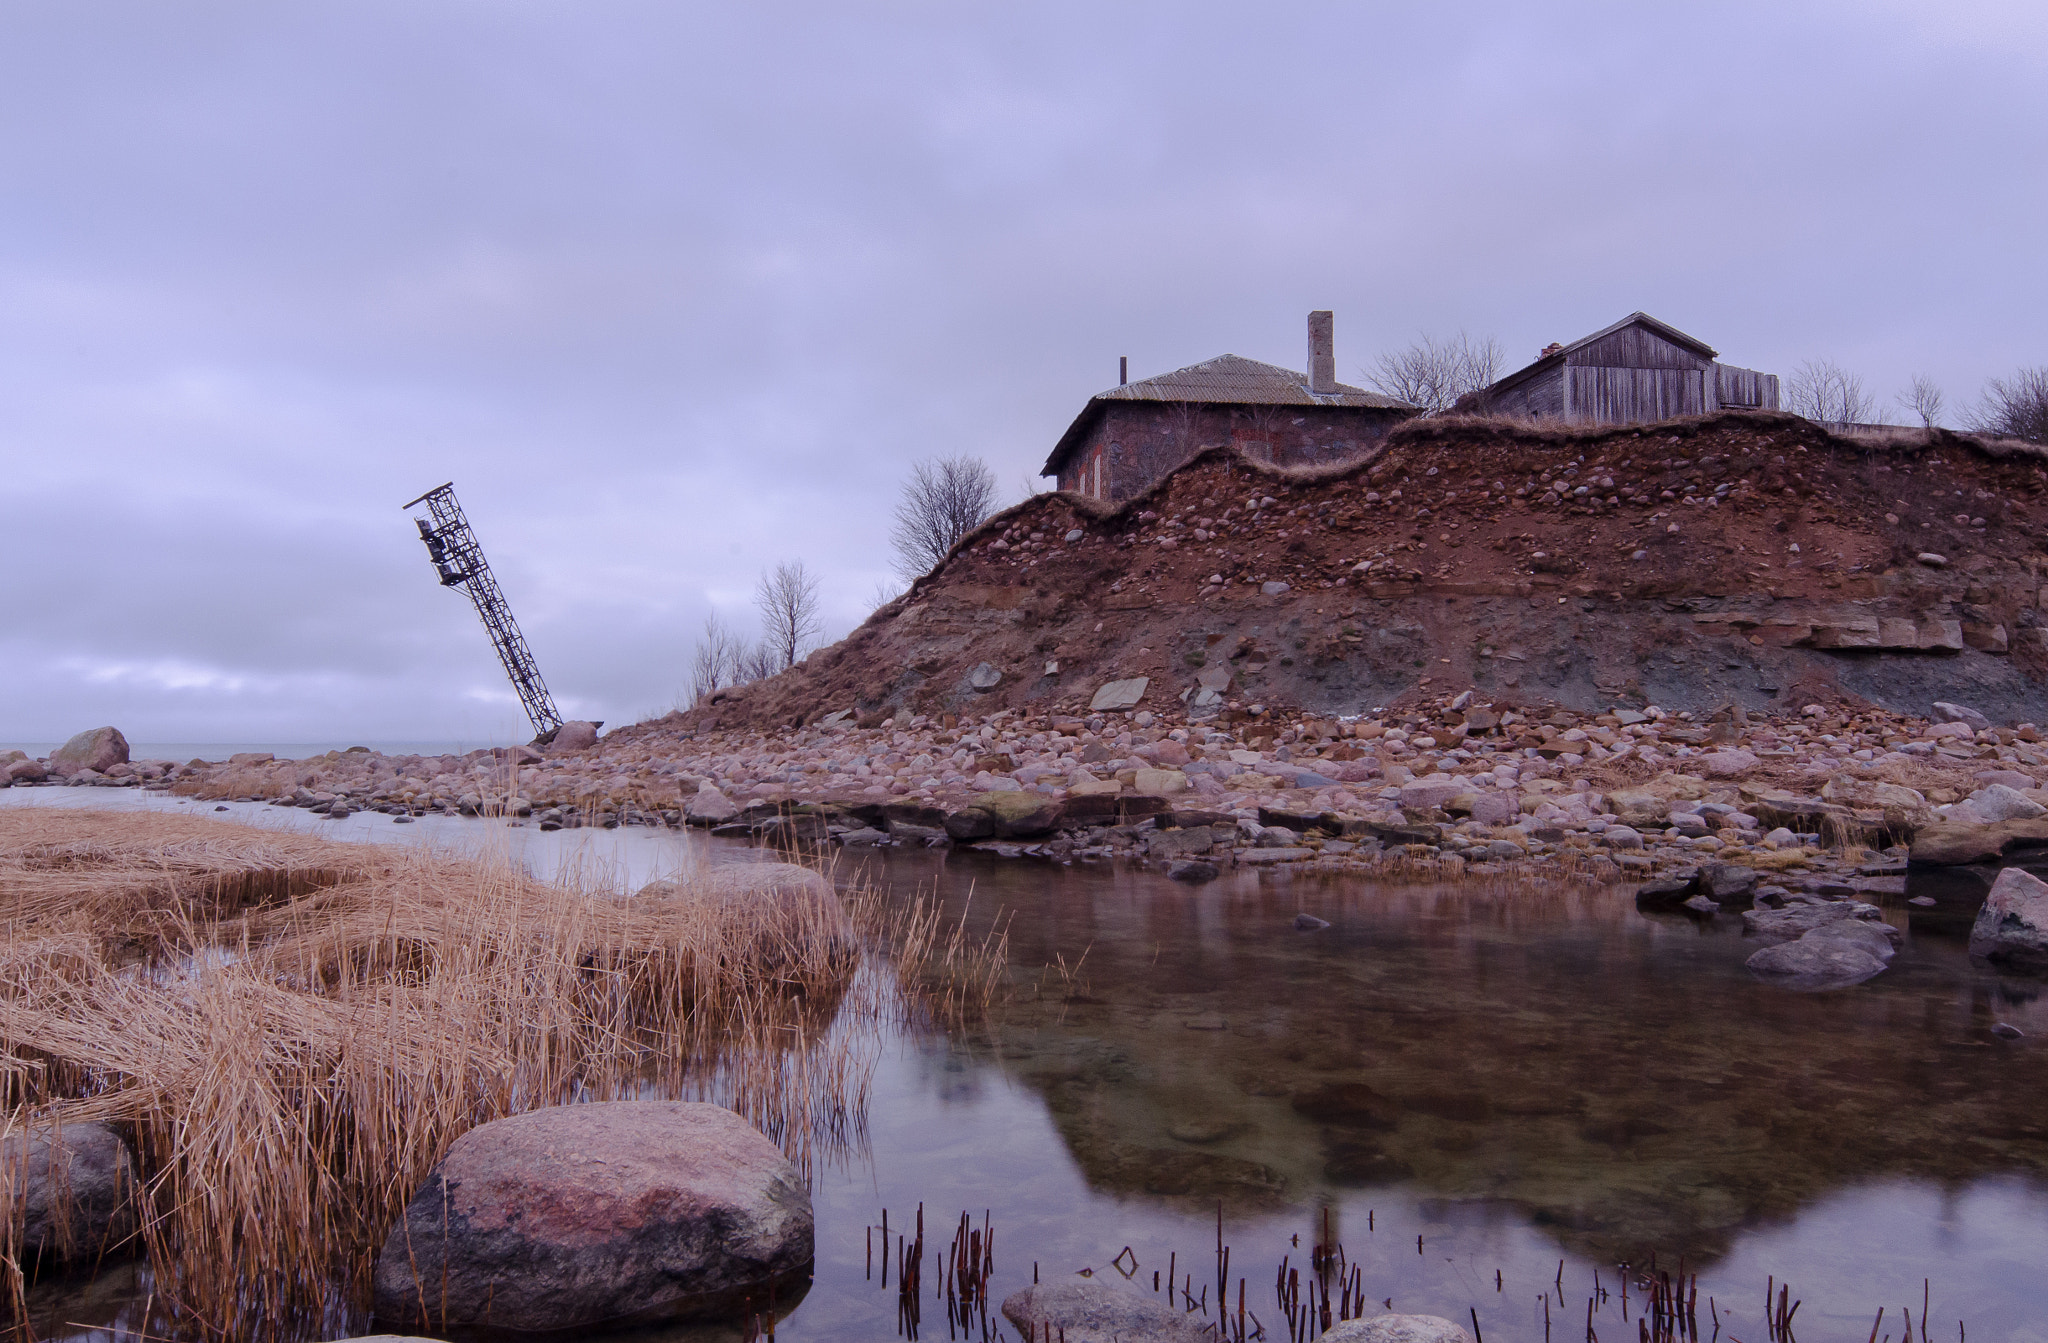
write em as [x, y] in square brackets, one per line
[292, 1030]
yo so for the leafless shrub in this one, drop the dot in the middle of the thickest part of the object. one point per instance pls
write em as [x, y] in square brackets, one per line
[1434, 374]
[757, 662]
[788, 598]
[715, 663]
[1826, 393]
[1923, 400]
[2015, 407]
[944, 499]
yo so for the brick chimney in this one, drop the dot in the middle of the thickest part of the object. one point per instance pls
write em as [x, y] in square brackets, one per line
[1322, 352]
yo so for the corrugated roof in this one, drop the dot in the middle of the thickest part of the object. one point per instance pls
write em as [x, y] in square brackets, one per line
[1226, 380]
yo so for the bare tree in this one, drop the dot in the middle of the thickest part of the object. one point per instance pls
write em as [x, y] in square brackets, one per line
[1923, 400]
[715, 662]
[2015, 407]
[1826, 393]
[788, 598]
[755, 662]
[1434, 374]
[944, 499]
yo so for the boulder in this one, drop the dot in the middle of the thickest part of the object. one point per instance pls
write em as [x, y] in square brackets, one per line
[1398, 1329]
[76, 1188]
[2000, 802]
[1431, 793]
[1089, 1310]
[985, 676]
[1726, 764]
[709, 807]
[1161, 782]
[98, 749]
[1945, 712]
[1727, 882]
[582, 1217]
[1826, 958]
[1116, 695]
[27, 771]
[1793, 921]
[1639, 806]
[1195, 839]
[1193, 871]
[2012, 929]
[578, 736]
[1956, 843]
[1495, 808]
[1011, 814]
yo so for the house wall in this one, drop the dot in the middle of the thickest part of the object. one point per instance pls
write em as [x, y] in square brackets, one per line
[1539, 398]
[1134, 443]
[1633, 395]
[1635, 376]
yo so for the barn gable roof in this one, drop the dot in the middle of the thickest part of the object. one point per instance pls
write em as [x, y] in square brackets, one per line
[1559, 356]
[1226, 380]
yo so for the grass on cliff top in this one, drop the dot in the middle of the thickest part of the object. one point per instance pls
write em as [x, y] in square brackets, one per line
[292, 1031]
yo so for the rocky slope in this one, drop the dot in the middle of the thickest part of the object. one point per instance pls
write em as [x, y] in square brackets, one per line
[1752, 558]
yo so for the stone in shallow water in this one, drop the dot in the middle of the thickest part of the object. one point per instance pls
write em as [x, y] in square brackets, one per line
[1086, 1310]
[1398, 1329]
[587, 1216]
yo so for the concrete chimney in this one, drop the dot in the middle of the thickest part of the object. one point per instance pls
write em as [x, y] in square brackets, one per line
[1322, 352]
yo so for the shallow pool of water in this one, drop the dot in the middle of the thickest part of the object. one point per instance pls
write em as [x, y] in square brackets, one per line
[1537, 1086]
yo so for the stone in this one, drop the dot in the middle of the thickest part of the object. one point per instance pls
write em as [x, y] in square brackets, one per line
[1213, 678]
[1398, 1329]
[75, 1188]
[1089, 1310]
[98, 749]
[2011, 930]
[1194, 871]
[1932, 560]
[1798, 920]
[581, 1217]
[1431, 793]
[1623, 837]
[1955, 844]
[2005, 1030]
[985, 676]
[577, 736]
[1726, 881]
[1496, 808]
[1275, 589]
[1700, 904]
[1726, 764]
[1309, 923]
[709, 807]
[27, 771]
[1184, 843]
[1020, 814]
[1999, 802]
[1161, 782]
[1638, 806]
[1816, 961]
[1262, 857]
[1116, 695]
[1945, 712]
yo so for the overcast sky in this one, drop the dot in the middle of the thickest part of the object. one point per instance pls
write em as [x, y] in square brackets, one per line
[673, 292]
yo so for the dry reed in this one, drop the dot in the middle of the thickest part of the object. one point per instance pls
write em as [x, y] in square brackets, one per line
[292, 1031]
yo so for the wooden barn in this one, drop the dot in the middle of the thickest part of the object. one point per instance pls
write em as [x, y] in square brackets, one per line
[1637, 371]
[1126, 438]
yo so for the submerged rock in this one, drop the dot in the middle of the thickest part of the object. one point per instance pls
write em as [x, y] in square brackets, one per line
[1087, 1310]
[1832, 955]
[76, 1186]
[589, 1216]
[1398, 1329]
[2012, 929]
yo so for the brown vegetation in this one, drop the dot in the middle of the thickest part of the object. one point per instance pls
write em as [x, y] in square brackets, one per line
[292, 1031]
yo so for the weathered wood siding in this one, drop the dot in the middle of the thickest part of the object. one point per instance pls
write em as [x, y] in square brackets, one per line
[1633, 395]
[1745, 388]
[1539, 398]
[1637, 347]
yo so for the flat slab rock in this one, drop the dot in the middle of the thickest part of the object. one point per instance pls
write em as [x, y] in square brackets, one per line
[1085, 1310]
[2012, 929]
[593, 1216]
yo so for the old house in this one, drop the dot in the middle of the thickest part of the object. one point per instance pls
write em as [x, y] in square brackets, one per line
[1126, 438]
[1637, 371]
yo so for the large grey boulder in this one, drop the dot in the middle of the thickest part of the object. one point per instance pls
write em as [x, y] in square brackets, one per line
[1088, 1310]
[2012, 929]
[1793, 921]
[1833, 957]
[579, 736]
[76, 1184]
[592, 1216]
[1398, 1329]
[1999, 802]
[98, 749]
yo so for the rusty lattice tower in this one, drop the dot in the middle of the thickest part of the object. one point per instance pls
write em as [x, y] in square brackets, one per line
[460, 562]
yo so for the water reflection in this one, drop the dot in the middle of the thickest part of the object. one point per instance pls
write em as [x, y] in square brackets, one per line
[1537, 1085]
